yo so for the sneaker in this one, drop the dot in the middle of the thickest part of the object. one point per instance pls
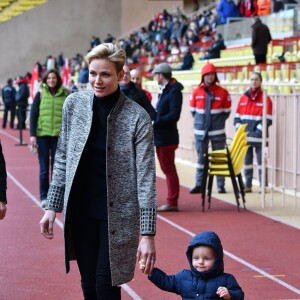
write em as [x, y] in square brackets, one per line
[167, 207]
[222, 190]
[196, 190]
[248, 189]
[43, 203]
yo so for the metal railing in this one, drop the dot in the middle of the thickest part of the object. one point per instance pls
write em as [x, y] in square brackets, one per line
[280, 157]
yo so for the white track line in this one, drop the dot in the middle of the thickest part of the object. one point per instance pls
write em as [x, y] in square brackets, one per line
[9, 135]
[125, 287]
[180, 228]
[236, 258]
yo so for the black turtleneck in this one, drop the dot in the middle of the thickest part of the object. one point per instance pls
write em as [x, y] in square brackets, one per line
[89, 188]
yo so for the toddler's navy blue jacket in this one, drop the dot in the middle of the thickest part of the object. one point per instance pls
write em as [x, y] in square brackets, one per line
[192, 284]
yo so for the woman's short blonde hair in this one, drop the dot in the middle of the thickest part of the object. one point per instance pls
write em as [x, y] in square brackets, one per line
[108, 51]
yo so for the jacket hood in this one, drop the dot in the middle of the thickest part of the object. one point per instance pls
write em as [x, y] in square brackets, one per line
[209, 68]
[207, 238]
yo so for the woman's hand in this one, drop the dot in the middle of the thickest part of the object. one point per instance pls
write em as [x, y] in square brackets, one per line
[3, 210]
[33, 140]
[47, 224]
[146, 254]
[33, 146]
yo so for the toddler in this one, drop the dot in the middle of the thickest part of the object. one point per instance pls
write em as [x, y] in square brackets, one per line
[206, 278]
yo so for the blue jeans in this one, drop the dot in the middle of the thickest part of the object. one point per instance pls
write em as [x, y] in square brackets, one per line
[248, 168]
[12, 109]
[46, 152]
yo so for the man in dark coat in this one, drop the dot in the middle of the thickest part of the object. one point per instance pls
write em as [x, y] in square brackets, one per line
[3, 185]
[9, 100]
[166, 137]
[137, 95]
[261, 37]
[22, 101]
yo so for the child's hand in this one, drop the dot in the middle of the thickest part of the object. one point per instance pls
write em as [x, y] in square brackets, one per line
[223, 293]
[142, 265]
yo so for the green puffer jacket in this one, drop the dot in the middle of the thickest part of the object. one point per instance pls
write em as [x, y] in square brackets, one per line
[50, 111]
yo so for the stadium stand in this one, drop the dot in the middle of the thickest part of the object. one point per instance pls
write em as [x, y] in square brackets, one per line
[235, 63]
[12, 8]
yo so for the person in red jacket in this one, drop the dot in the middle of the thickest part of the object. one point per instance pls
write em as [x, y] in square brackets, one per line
[250, 111]
[210, 105]
[248, 8]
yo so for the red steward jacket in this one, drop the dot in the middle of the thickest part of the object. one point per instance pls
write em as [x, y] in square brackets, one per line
[248, 8]
[214, 125]
[250, 111]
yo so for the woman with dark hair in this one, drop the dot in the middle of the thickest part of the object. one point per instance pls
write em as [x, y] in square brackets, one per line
[45, 120]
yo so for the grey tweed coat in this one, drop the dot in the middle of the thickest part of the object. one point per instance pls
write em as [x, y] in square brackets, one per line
[131, 191]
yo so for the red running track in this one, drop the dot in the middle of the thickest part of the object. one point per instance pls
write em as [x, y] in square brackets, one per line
[262, 254]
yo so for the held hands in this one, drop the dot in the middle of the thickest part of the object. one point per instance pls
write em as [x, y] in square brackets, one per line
[146, 254]
[223, 293]
[47, 224]
[3, 210]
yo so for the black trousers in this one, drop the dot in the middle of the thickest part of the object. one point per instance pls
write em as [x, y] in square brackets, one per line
[12, 109]
[21, 114]
[92, 254]
[260, 58]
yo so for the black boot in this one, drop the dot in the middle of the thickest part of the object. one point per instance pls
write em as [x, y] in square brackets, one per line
[109, 293]
[89, 293]
[196, 190]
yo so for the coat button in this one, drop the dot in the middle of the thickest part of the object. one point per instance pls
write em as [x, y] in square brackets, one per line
[109, 176]
[113, 232]
[111, 204]
[108, 148]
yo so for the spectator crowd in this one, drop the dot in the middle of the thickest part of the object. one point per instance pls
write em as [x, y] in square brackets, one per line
[168, 37]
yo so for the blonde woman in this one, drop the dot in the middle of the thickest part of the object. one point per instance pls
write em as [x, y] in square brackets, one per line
[104, 178]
